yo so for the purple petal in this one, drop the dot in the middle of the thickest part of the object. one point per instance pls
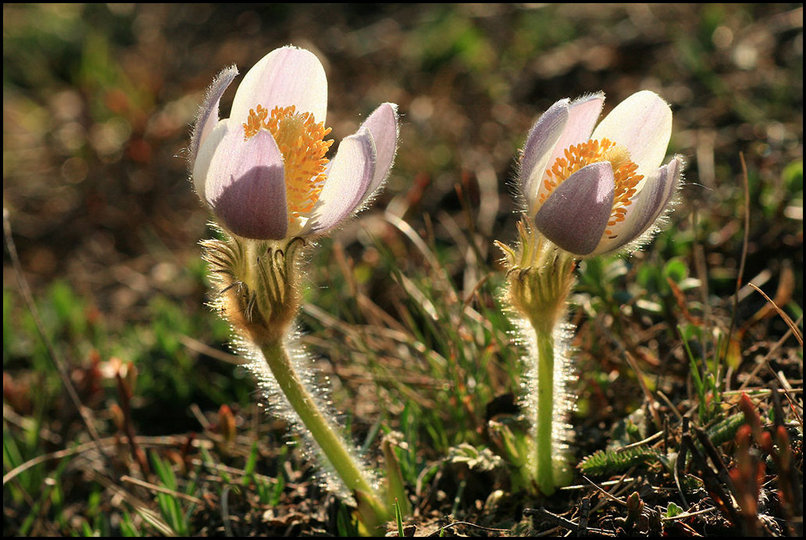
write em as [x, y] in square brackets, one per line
[576, 213]
[539, 144]
[286, 76]
[383, 127]
[561, 126]
[246, 186]
[349, 177]
[207, 116]
[646, 207]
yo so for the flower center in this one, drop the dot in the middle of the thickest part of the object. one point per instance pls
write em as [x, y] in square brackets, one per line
[595, 151]
[301, 141]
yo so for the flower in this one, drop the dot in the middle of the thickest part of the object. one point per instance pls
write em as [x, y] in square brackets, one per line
[594, 191]
[263, 171]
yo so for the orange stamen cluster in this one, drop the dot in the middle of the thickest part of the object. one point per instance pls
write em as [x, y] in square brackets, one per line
[301, 141]
[594, 151]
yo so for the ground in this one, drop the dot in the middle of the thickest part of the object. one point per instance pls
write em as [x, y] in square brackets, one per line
[403, 312]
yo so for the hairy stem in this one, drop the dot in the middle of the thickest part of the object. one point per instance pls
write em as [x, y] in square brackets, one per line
[544, 469]
[540, 278]
[257, 289]
[334, 447]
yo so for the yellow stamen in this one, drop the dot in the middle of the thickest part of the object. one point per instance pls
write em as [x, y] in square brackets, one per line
[301, 141]
[595, 151]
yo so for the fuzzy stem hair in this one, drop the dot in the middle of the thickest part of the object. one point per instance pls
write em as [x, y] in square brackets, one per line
[257, 286]
[540, 277]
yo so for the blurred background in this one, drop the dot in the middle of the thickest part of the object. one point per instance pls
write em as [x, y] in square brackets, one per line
[98, 100]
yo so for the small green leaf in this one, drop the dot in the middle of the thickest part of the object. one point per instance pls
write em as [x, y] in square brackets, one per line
[673, 510]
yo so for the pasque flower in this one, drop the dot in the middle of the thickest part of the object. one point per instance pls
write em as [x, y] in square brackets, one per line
[594, 191]
[587, 190]
[264, 172]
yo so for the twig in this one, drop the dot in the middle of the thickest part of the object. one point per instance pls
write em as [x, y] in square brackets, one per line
[686, 515]
[605, 483]
[475, 290]
[782, 313]
[197, 412]
[765, 362]
[554, 518]
[141, 507]
[745, 243]
[202, 348]
[21, 468]
[605, 493]
[415, 239]
[161, 489]
[81, 448]
[10, 416]
[671, 406]
[647, 392]
[643, 442]
[468, 524]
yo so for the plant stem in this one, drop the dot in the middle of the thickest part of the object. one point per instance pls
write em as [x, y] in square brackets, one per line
[544, 472]
[372, 510]
[541, 276]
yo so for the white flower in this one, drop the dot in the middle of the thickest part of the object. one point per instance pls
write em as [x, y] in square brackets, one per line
[263, 170]
[594, 191]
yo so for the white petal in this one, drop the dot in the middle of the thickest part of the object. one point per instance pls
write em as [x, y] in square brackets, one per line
[646, 207]
[383, 127]
[204, 155]
[207, 117]
[349, 176]
[286, 76]
[643, 124]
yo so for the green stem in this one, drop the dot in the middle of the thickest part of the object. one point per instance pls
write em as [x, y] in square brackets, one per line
[544, 472]
[372, 510]
[541, 276]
